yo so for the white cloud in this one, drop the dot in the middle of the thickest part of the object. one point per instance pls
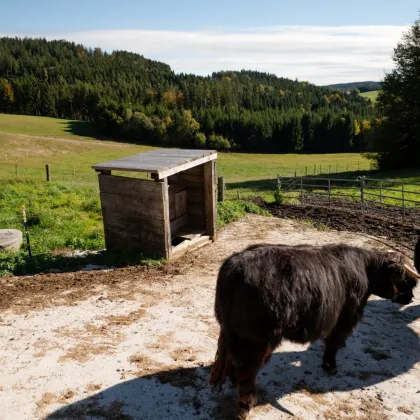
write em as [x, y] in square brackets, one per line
[320, 55]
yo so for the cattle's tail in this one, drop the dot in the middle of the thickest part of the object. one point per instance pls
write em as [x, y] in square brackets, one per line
[222, 366]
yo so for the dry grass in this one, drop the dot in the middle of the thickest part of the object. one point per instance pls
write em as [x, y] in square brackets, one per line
[85, 351]
[94, 339]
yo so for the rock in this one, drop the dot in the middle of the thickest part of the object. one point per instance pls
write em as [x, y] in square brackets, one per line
[10, 239]
[52, 270]
[91, 267]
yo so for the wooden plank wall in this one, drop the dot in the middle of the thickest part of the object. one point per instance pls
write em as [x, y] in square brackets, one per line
[135, 214]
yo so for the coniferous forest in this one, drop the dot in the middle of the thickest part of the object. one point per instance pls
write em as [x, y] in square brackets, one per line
[130, 97]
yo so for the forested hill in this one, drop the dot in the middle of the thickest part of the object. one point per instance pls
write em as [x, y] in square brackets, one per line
[129, 96]
[361, 86]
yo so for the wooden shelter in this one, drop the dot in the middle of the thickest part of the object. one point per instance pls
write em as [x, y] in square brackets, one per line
[166, 214]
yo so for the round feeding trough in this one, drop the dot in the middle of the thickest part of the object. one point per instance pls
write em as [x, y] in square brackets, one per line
[10, 239]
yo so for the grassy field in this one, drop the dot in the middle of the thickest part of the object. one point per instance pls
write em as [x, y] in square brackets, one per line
[27, 144]
[43, 126]
[371, 95]
[65, 213]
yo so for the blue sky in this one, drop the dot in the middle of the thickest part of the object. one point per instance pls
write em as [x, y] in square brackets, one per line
[320, 41]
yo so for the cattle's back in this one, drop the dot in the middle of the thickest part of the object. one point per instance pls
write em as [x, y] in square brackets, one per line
[299, 290]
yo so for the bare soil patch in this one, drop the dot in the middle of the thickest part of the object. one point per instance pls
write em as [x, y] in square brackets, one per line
[403, 233]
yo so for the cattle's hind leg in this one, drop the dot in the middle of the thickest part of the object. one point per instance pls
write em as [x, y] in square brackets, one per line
[247, 367]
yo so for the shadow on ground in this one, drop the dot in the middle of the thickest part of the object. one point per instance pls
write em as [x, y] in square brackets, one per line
[21, 264]
[85, 129]
[383, 347]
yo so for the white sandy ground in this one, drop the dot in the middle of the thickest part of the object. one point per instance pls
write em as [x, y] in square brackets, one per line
[145, 354]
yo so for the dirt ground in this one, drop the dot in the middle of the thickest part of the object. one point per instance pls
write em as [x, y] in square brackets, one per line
[137, 343]
[402, 233]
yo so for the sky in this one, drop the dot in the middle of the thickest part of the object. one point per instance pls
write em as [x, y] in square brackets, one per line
[322, 41]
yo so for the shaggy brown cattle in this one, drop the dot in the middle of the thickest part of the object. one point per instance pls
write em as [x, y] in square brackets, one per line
[301, 293]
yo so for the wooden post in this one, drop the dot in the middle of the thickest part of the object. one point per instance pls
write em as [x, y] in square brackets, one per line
[47, 167]
[380, 193]
[301, 190]
[362, 193]
[220, 189]
[25, 224]
[306, 170]
[329, 192]
[166, 218]
[210, 198]
[403, 198]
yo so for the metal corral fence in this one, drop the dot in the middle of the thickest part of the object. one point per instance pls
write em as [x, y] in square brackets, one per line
[362, 193]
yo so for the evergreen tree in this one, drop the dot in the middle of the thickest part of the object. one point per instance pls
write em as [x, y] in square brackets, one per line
[398, 138]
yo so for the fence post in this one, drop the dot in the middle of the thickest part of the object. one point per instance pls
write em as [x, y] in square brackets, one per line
[16, 167]
[306, 170]
[380, 193]
[25, 224]
[295, 172]
[220, 189]
[403, 198]
[301, 190]
[362, 193]
[329, 192]
[47, 168]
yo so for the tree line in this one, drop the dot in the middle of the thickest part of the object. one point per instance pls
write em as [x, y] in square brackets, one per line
[128, 96]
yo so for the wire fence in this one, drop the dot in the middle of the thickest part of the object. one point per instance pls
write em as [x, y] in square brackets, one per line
[325, 168]
[365, 194]
[66, 172]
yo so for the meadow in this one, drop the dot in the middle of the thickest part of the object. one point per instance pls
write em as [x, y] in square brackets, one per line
[28, 143]
[65, 214]
[371, 95]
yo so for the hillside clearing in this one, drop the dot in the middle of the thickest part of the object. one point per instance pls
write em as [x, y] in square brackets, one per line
[43, 126]
[138, 342]
[371, 95]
